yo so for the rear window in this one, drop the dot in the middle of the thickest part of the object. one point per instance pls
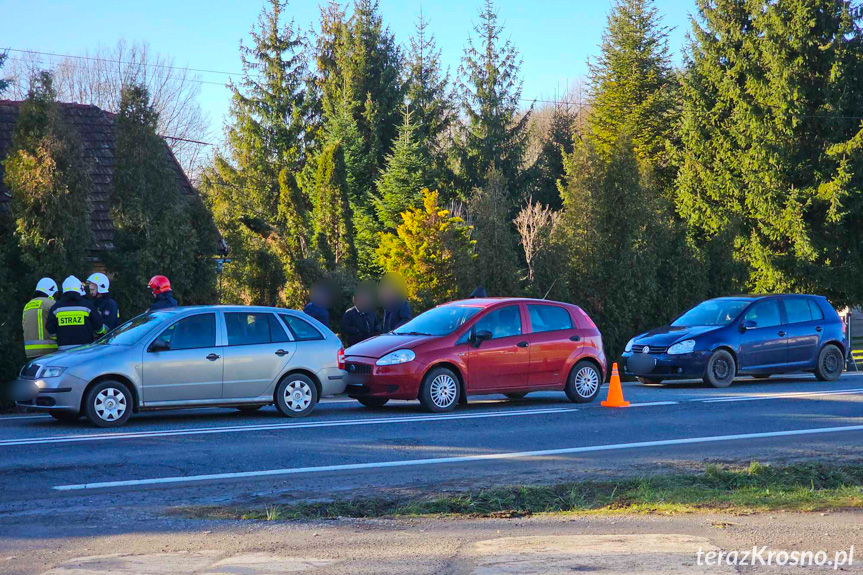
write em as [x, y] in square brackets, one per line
[815, 309]
[253, 328]
[797, 309]
[548, 318]
[301, 329]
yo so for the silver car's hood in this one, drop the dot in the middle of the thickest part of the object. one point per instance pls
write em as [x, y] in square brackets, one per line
[79, 355]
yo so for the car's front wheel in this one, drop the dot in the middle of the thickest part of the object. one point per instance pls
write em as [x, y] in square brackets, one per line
[721, 369]
[296, 395]
[830, 363]
[373, 401]
[440, 390]
[108, 404]
[583, 383]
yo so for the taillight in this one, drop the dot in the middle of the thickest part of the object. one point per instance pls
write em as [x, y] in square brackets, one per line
[342, 358]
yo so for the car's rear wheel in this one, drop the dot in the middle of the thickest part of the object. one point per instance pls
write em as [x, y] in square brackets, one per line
[296, 395]
[648, 380]
[249, 408]
[108, 404]
[830, 363]
[516, 395]
[721, 369]
[440, 390]
[583, 383]
[373, 401]
[65, 416]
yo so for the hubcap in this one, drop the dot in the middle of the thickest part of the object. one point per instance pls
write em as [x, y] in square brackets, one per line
[720, 369]
[298, 395]
[110, 404]
[586, 381]
[443, 390]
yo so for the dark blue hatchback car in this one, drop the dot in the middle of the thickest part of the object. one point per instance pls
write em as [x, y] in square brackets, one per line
[746, 335]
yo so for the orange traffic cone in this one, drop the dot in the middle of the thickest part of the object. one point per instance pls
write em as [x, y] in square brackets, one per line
[615, 391]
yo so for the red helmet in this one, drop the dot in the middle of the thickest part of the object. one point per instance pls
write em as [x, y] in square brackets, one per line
[159, 284]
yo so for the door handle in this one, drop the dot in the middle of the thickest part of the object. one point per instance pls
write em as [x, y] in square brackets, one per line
[819, 329]
[781, 334]
[522, 344]
[213, 356]
[575, 338]
[281, 353]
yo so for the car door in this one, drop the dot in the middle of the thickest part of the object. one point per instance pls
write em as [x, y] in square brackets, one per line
[257, 351]
[765, 343]
[504, 360]
[551, 327]
[190, 369]
[804, 329]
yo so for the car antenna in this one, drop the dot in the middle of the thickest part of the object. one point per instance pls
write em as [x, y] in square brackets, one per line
[551, 287]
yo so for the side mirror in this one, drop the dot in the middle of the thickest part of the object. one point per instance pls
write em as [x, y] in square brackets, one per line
[481, 336]
[159, 345]
[747, 325]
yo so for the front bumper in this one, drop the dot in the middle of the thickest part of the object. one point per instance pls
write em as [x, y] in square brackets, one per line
[47, 394]
[365, 379]
[664, 366]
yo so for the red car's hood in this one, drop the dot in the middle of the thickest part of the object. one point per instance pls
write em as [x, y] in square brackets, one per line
[381, 345]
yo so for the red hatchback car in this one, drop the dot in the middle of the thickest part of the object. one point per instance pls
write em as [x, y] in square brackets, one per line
[480, 346]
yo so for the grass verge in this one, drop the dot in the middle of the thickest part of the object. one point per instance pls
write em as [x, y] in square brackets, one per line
[756, 488]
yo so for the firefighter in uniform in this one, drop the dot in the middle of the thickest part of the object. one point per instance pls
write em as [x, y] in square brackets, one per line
[163, 296]
[98, 285]
[73, 319]
[37, 339]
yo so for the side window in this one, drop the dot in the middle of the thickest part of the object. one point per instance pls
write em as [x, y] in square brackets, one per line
[817, 314]
[253, 328]
[548, 318]
[194, 332]
[301, 329]
[503, 322]
[797, 310]
[765, 314]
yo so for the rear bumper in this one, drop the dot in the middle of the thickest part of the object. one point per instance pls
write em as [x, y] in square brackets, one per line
[664, 366]
[365, 379]
[332, 381]
[60, 394]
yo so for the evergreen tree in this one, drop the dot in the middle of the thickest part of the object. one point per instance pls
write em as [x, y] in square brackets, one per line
[771, 166]
[48, 177]
[405, 176]
[545, 172]
[4, 83]
[253, 190]
[333, 228]
[496, 265]
[494, 136]
[432, 250]
[157, 229]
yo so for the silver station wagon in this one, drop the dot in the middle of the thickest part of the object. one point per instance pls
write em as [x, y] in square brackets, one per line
[229, 356]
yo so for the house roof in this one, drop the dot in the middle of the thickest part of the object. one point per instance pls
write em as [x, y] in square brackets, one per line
[96, 129]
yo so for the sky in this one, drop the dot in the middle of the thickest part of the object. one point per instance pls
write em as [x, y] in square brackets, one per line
[554, 37]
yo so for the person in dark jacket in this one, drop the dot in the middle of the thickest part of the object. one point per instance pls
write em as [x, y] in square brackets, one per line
[73, 319]
[478, 293]
[163, 296]
[361, 322]
[98, 285]
[397, 310]
[319, 305]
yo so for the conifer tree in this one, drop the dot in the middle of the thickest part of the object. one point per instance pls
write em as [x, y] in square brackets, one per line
[770, 175]
[334, 236]
[557, 142]
[4, 83]
[495, 135]
[48, 177]
[496, 264]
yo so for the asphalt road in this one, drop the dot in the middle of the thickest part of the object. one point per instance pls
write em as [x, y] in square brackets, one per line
[219, 455]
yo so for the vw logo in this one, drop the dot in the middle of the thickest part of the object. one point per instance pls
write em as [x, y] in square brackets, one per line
[352, 368]
[646, 349]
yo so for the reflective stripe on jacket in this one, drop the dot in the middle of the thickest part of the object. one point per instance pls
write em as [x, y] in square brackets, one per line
[37, 340]
[75, 321]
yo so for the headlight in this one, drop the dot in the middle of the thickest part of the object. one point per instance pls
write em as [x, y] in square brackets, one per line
[682, 347]
[629, 345]
[52, 371]
[397, 357]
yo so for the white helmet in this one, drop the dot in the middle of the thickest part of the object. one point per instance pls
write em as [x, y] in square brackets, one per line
[101, 280]
[47, 286]
[72, 283]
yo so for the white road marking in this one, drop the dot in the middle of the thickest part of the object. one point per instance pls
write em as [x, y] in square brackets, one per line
[790, 395]
[652, 403]
[448, 460]
[271, 427]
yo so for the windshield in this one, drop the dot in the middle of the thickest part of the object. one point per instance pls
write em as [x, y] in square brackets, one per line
[713, 312]
[438, 321]
[133, 330]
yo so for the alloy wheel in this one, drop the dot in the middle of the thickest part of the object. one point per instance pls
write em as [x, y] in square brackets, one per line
[110, 404]
[443, 390]
[298, 395]
[586, 381]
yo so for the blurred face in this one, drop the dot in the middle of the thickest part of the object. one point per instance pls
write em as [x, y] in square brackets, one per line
[363, 300]
[93, 289]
